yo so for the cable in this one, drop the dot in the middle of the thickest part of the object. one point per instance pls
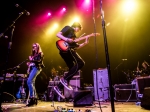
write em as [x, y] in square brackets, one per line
[130, 94]
[10, 95]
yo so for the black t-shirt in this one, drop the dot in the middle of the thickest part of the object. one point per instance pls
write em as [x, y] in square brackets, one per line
[68, 32]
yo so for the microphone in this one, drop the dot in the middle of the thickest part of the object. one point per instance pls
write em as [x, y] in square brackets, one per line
[16, 67]
[124, 59]
[25, 11]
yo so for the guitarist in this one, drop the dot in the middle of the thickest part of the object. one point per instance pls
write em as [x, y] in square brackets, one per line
[70, 56]
[35, 66]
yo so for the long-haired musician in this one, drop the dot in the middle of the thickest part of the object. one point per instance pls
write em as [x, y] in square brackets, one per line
[34, 68]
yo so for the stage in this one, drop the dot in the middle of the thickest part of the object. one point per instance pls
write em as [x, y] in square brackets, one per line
[52, 106]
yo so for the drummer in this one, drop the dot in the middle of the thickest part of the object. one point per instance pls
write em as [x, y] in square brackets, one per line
[145, 70]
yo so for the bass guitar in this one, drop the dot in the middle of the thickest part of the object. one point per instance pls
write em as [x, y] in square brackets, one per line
[64, 46]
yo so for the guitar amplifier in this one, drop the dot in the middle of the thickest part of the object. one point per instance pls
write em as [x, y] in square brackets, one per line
[101, 84]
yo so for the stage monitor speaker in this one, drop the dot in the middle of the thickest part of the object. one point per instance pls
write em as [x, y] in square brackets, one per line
[145, 101]
[83, 98]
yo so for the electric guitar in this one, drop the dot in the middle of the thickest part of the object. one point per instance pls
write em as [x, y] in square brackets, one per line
[21, 93]
[29, 64]
[64, 46]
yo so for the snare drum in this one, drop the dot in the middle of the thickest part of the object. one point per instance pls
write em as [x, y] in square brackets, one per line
[51, 83]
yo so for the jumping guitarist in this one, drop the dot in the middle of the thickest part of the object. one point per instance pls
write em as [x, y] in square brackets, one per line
[67, 46]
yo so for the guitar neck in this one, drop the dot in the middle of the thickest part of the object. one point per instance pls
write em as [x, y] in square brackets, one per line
[79, 39]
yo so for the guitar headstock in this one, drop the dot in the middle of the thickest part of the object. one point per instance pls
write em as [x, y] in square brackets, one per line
[94, 34]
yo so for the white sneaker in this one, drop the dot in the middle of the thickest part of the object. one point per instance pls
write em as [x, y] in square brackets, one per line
[56, 89]
[65, 84]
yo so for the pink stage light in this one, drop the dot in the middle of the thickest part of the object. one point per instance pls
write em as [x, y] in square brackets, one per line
[64, 9]
[87, 1]
[49, 14]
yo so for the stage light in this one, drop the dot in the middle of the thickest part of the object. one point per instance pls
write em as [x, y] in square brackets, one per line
[76, 19]
[52, 29]
[49, 14]
[64, 9]
[129, 6]
[87, 1]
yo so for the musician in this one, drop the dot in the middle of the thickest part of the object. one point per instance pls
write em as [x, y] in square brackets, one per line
[145, 70]
[35, 67]
[70, 56]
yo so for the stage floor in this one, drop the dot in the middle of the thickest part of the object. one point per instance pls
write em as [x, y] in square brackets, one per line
[52, 106]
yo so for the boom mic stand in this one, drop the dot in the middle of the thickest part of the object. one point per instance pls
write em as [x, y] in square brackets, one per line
[15, 75]
[107, 58]
[117, 70]
[9, 48]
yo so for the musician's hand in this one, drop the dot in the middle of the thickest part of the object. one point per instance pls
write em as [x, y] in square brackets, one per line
[30, 58]
[87, 39]
[70, 40]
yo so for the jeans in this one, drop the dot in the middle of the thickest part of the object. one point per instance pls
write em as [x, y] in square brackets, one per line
[31, 81]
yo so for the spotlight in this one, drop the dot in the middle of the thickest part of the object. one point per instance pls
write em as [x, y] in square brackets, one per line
[49, 14]
[64, 9]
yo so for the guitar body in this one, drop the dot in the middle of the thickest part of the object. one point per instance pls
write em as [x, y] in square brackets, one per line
[18, 95]
[62, 45]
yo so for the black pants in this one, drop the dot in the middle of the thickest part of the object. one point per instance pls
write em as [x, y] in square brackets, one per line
[73, 61]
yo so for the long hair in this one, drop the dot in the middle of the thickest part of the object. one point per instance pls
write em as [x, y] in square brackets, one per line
[39, 50]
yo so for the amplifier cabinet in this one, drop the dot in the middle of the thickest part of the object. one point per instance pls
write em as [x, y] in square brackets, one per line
[124, 86]
[141, 83]
[125, 95]
[101, 84]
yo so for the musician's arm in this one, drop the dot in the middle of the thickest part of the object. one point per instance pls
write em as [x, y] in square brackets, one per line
[41, 56]
[59, 35]
[84, 43]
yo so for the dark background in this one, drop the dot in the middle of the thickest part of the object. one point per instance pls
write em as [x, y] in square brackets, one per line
[126, 39]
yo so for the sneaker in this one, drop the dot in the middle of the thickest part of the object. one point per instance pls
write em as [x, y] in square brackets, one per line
[56, 89]
[65, 84]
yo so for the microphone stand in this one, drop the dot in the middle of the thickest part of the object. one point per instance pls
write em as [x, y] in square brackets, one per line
[117, 70]
[107, 58]
[8, 52]
[15, 74]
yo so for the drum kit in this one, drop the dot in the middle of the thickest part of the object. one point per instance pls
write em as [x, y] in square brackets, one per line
[132, 75]
[56, 75]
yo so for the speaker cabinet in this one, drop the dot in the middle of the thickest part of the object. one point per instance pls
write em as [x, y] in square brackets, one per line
[145, 101]
[83, 98]
[125, 95]
[141, 83]
[101, 84]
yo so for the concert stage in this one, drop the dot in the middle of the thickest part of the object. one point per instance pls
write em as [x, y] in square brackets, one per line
[52, 106]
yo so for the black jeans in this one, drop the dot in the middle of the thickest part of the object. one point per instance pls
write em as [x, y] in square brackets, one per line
[73, 61]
